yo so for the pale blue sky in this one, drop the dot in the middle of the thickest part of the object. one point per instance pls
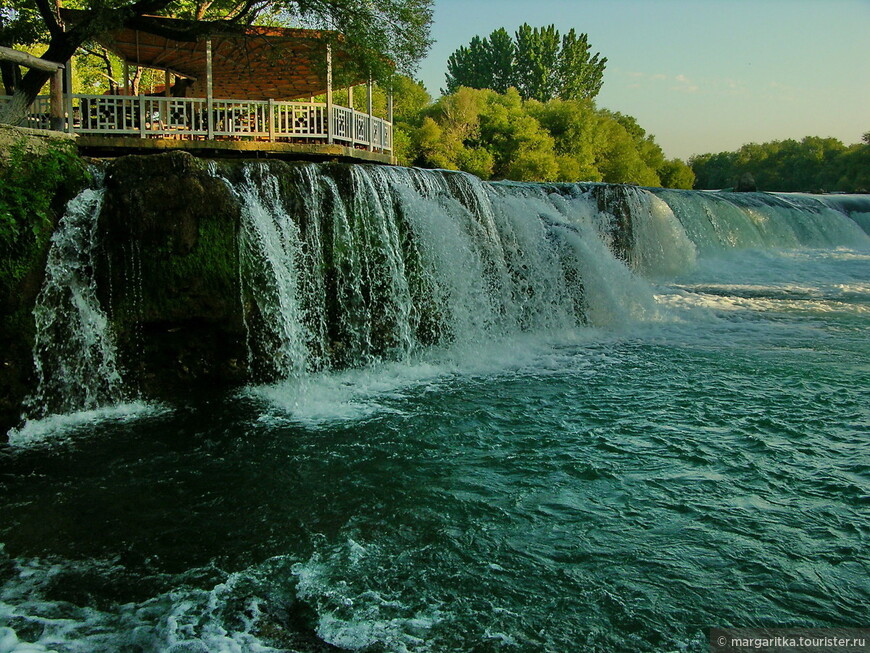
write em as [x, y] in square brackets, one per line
[701, 75]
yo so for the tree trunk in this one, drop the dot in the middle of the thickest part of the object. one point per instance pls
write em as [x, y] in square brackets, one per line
[11, 76]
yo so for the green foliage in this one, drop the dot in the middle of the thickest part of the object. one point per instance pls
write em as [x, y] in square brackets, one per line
[501, 136]
[538, 62]
[31, 187]
[674, 173]
[580, 72]
[813, 164]
[30, 184]
[20, 23]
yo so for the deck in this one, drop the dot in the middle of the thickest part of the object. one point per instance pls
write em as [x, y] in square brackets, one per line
[114, 124]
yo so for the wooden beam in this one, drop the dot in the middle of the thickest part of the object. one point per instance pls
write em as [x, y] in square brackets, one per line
[390, 105]
[67, 98]
[28, 60]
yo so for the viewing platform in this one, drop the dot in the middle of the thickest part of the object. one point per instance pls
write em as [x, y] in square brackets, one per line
[227, 89]
[115, 124]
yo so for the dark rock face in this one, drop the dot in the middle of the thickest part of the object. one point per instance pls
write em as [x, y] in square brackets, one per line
[616, 200]
[169, 273]
[746, 183]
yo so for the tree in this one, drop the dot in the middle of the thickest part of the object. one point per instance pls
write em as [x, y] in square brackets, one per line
[485, 63]
[674, 173]
[581, 73]
[468, 66]
[537, 66]
[501, 136]
[501, 51]
[377, 35]
[538, 62]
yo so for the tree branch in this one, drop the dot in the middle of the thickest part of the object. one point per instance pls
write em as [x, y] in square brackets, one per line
[49, 17]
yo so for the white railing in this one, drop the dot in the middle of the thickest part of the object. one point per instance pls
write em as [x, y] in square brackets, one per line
[188, 118]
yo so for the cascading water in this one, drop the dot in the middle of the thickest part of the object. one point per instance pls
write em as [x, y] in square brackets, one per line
[405, 259]
[345, 266]
[74, 353]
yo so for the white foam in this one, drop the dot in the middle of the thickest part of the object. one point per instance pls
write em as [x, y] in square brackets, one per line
[327, 398]
[65, 427]
[223, 619]
[358, 618]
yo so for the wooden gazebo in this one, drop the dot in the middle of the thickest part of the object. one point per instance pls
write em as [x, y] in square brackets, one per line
[235, 87]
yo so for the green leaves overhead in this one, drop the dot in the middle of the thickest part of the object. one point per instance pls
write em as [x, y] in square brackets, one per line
[539, 62]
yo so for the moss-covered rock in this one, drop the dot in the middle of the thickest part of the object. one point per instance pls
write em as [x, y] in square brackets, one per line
[169, 272]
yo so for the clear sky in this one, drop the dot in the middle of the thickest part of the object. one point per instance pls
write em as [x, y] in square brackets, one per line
[701, 75]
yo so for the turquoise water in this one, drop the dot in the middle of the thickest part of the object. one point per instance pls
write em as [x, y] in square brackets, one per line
[588, 490]
[619, 486]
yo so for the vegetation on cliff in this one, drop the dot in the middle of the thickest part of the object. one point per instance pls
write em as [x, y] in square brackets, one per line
[38, 174]
[36, 177]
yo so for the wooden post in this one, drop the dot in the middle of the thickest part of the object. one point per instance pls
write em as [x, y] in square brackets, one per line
[68, 90]
[271, 120]
[388, 133]
[164, 106]
[126, 77]
[329, 127]
[56, 100]
[209, 97]
[352, 116]
[369, 130]
[141, 115]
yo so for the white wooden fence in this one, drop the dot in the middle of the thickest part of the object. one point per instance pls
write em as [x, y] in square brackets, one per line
[190, 118]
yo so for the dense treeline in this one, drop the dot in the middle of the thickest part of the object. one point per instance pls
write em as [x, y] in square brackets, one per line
[813, 164]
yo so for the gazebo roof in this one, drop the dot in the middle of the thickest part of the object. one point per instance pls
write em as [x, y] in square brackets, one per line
[250, 62]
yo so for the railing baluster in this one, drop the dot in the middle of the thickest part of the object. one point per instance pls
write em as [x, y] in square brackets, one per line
[274, 120]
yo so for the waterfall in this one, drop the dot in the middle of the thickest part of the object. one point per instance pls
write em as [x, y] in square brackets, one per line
[74, 352]
[356, 265]
[348, 265]
[716, 221]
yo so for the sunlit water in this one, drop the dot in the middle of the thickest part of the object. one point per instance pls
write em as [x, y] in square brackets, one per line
[592, 490]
